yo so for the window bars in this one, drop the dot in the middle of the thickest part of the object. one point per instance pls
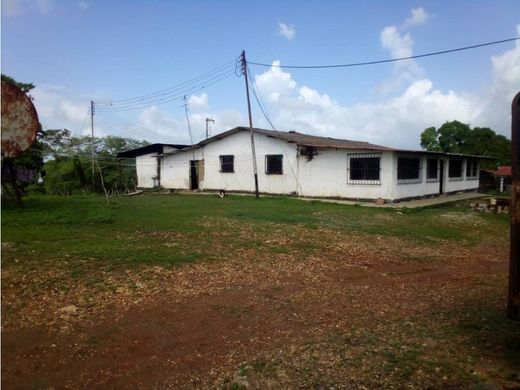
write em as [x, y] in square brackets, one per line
[364, 169]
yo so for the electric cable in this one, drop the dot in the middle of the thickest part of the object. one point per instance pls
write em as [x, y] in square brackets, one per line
[364, 63]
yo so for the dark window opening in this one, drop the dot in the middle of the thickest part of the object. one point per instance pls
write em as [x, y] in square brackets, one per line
[431, 168]
[274, 164]
[455, 168]
[227, 163]
[408, 168]
[472, 168]
[364, 168]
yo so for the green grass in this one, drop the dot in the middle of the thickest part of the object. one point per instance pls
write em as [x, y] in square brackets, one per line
[175, 229]
[78, 240]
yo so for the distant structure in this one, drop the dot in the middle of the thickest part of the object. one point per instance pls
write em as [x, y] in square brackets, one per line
[293, 163]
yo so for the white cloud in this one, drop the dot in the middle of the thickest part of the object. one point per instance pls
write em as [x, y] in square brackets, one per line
[275, 82]
[496, 108]
[175, 129]
[200, 101]
[399, 46]
[418, 16]
[287, 31]
[396, 121]
[59, 107]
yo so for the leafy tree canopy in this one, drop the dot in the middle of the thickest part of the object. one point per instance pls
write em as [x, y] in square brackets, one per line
[68, 162]
[458, 137]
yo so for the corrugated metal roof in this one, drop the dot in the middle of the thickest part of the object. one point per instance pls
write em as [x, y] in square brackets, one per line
[504, 170]
[152, 148]
[318, 142]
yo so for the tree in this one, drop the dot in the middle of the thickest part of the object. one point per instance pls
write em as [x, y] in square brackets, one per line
[458, 137]
[429, 140]
[68, 168]
[56, 143]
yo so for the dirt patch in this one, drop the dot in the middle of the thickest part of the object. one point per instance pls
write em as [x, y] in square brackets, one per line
[239, 322]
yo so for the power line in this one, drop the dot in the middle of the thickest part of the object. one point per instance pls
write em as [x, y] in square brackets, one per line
[173, 94]
[171, 98]
[84, 121]
[261, 104]
[132, 128]
[168, 90]
[353, 64]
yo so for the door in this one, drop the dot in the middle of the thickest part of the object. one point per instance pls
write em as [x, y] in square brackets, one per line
[194, 175]
[441, 176]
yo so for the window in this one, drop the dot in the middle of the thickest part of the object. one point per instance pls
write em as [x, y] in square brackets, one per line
[472, 168]
[227, 163]
[364, 168]
[432, 169]
[408, 169]
[274, 164]
[455, 169]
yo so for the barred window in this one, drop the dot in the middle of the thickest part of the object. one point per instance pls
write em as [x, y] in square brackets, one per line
[408, 168]
[227, 163]
[274, 164]
[364, 169]
[455, 168]
[471, 168]
[432, 169]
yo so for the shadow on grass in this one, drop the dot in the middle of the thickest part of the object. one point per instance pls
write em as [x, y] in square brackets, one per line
[490, 333]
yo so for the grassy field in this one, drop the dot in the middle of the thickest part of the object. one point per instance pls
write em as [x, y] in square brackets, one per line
[294, 294]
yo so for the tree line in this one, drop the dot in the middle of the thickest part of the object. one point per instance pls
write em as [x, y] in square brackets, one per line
[63, 162]
[458, 137]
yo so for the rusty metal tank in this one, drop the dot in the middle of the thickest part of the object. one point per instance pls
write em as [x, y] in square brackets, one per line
[19, 121]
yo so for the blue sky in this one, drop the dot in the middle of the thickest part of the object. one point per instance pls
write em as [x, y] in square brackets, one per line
[75, 51]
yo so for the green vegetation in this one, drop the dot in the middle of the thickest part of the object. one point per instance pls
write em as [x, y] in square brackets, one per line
[457, 137]
[65, 161]
[336, 284]
[172, 229]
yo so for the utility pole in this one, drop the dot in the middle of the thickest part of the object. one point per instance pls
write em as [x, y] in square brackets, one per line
[207, 125]
[253, 152]
[189, 126]
[92, 145]
[513, 302]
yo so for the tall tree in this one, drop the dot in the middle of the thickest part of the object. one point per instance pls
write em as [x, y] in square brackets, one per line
[458, 137]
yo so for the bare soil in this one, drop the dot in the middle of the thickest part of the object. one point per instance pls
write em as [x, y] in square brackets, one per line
[267, 320]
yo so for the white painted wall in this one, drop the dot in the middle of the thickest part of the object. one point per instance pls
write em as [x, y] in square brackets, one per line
[426, 186]
[323, 176]
[462, 184]
[176, 171]
[146, 167]
[326, 176]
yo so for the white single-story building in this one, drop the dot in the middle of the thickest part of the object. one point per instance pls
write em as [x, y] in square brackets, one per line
[293, 163]
[147, 162]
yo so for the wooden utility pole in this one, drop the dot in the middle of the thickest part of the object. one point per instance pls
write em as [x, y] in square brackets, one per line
[207, 125]
[513, 302]
[92, 145]
[255, 171]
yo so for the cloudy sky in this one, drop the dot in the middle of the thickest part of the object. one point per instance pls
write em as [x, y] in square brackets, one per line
[120, 53]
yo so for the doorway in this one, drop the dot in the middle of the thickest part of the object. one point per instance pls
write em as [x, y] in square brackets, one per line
[441, 177]
[194, 175]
